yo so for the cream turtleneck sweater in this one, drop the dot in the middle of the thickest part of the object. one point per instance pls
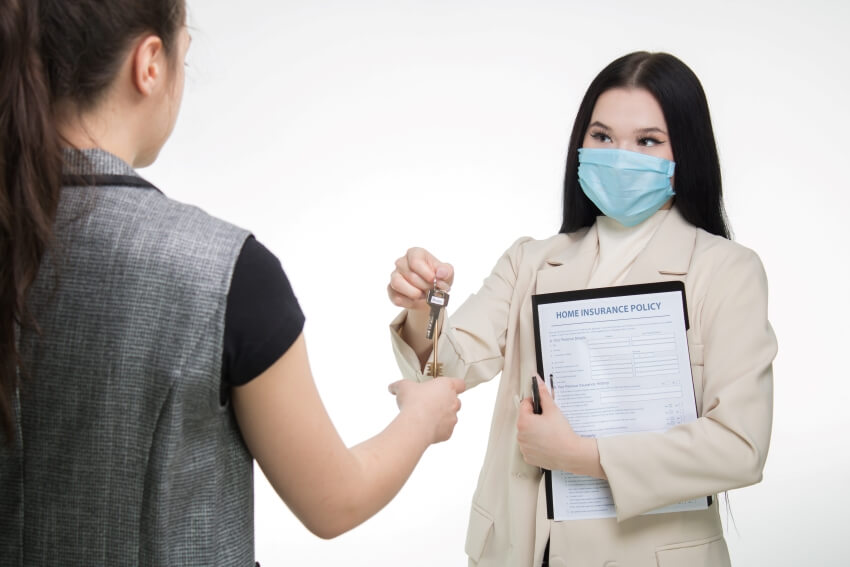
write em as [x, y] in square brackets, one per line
[619, 247]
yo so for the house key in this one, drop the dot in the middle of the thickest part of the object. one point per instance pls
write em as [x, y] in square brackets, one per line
[437, 300]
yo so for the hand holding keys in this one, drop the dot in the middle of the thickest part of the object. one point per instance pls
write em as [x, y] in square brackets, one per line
[408, 284]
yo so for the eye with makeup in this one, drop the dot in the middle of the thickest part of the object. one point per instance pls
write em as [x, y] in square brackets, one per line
[649, 141]
[600, 136]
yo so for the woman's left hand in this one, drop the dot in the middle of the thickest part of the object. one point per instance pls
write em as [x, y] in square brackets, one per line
[547, 440]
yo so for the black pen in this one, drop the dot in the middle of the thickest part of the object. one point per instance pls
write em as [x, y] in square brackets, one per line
[535, 396]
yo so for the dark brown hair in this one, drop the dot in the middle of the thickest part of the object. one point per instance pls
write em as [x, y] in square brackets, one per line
[51, 51]
[699, 191]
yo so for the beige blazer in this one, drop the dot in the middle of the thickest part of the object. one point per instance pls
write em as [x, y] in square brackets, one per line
[732, 347]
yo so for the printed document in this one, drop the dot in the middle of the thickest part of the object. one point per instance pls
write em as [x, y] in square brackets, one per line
[616, 360]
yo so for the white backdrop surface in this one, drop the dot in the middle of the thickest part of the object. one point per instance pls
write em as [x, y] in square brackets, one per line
[341, 133]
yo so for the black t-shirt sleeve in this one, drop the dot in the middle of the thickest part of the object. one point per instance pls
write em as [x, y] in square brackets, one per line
[262, 318]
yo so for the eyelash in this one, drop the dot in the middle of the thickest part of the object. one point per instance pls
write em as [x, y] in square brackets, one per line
[645, 141]
[649, 142]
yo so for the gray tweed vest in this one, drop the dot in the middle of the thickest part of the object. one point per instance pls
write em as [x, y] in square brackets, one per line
[125, 454]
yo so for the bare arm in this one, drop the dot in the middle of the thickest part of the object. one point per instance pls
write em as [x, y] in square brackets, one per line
[329, 487]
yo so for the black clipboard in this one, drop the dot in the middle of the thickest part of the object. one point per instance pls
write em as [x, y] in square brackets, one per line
[596, 293]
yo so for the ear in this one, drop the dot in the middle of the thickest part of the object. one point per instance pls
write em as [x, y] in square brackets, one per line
[148, 64]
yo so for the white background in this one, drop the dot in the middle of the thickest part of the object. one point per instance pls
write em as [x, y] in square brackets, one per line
[342, 133]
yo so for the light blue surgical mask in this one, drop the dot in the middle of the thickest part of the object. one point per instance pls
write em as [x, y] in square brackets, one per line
[626, 186]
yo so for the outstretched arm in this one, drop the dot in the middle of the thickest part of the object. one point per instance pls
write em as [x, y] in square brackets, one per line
[332, 488]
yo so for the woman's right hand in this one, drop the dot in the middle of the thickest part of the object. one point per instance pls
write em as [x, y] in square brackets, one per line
[432, 405]
[414, 275]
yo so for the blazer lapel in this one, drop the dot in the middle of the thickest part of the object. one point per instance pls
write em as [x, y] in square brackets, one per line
[569, 269]
[666, 257]
[668, 254]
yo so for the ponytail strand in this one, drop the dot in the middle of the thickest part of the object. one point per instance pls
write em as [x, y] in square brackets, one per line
[30, 176]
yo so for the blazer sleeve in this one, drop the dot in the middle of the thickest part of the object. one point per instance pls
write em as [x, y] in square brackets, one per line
[472, 343]
[727, 445]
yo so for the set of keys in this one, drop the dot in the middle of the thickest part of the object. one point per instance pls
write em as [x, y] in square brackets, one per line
[437, 300]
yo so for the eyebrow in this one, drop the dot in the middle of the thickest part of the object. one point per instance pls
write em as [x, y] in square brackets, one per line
[650, 131]
[640, 131]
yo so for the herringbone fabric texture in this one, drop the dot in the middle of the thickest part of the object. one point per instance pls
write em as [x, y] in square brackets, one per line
[125, 454]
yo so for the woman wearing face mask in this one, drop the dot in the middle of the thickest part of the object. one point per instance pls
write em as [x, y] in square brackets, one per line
[149, 351]
[642, 203]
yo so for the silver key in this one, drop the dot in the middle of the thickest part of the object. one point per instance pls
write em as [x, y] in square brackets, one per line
[437, 299]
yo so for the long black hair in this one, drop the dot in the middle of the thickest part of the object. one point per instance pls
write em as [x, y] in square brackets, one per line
[699, 193]
[51, 52]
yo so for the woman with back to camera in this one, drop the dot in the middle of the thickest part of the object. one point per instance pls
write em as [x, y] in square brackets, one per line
[143, 340]
[642, 113]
